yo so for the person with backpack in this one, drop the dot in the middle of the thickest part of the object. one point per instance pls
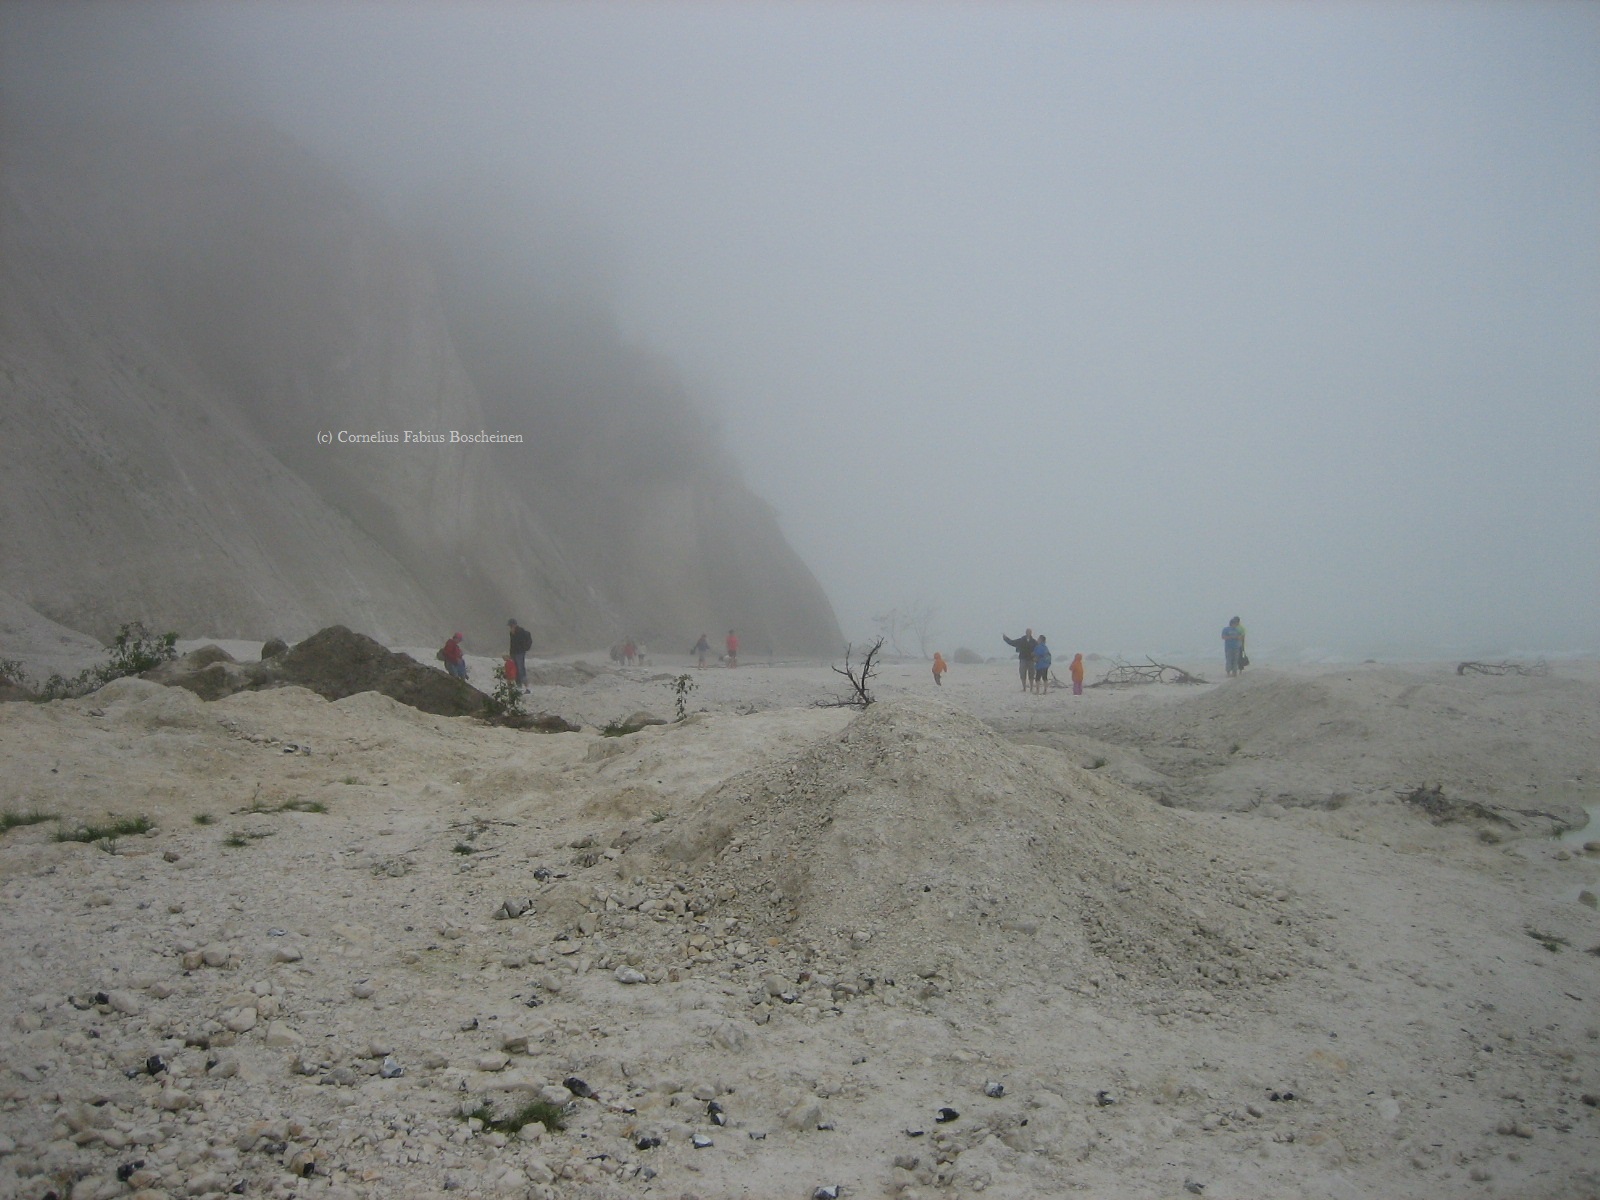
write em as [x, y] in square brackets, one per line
[521, 643]
[1041, 666]
[455, 661]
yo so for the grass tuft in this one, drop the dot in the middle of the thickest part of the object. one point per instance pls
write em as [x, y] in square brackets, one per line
[237, 840]
[14, 820]
[551, 1116]
[1549, 941]
[115, 828]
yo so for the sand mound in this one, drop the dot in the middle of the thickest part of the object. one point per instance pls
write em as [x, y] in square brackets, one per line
[931, 845]
[1379, 732]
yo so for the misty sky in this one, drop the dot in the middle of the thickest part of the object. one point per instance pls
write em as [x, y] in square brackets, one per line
[1112, 320]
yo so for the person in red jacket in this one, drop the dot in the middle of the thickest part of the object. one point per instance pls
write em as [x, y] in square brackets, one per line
[732, 645]
[454, 660]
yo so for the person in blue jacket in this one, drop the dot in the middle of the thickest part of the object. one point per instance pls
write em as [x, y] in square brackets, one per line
[1233, 657]
[1041, 666]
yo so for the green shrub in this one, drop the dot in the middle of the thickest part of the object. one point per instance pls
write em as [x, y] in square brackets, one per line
[134, 651]
[680, 688]
[505, 701]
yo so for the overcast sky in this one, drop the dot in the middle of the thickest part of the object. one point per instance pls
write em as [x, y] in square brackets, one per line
[1115, 320]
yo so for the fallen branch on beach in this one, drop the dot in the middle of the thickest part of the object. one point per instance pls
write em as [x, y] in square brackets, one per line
[1123, 674]
[859, 677]
[1503, 668]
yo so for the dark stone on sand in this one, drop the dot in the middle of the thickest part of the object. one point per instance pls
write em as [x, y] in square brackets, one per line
[336, 662]
[273, 647]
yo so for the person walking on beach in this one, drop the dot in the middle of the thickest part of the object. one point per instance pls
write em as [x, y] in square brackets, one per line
[1076, 671]
[521, 643]
[732, 646]
[701, 649]
[939, 668]
[1024, 647]
[1041, 666]
[1233, 659]
[454, 660]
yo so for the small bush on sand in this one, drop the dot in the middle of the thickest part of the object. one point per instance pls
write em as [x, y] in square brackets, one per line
[505, 701]
[680, 688]
[135, 650]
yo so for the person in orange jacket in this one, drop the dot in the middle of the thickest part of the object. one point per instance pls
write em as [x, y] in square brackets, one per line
[939, 667]
[1077, 674]
[732, 646]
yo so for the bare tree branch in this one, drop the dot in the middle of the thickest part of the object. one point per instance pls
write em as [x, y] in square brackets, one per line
[859, 677]
[1122, 674]
[1503, 668]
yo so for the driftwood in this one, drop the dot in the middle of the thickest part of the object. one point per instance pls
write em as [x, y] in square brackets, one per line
[1123, 674]
[1503, 668]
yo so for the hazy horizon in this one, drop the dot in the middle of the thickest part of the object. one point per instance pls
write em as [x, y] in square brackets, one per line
[1109, 320]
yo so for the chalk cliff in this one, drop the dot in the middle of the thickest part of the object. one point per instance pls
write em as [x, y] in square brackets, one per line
[191, 319]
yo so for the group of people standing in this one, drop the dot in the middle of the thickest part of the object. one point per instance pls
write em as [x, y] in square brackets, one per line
[730, 657]
[516, 663]
[1034, 660]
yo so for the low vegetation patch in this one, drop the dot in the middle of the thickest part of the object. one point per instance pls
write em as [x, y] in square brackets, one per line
[551, 1116]
[1549, 941]
[237, 840]
[135, 650]
[298, 804]
[12, 820]
[114, 828]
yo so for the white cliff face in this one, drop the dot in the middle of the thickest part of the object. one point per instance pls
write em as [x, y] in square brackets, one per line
[187, 328]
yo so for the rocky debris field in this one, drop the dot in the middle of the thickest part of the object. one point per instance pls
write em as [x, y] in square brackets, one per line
[770, 950]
